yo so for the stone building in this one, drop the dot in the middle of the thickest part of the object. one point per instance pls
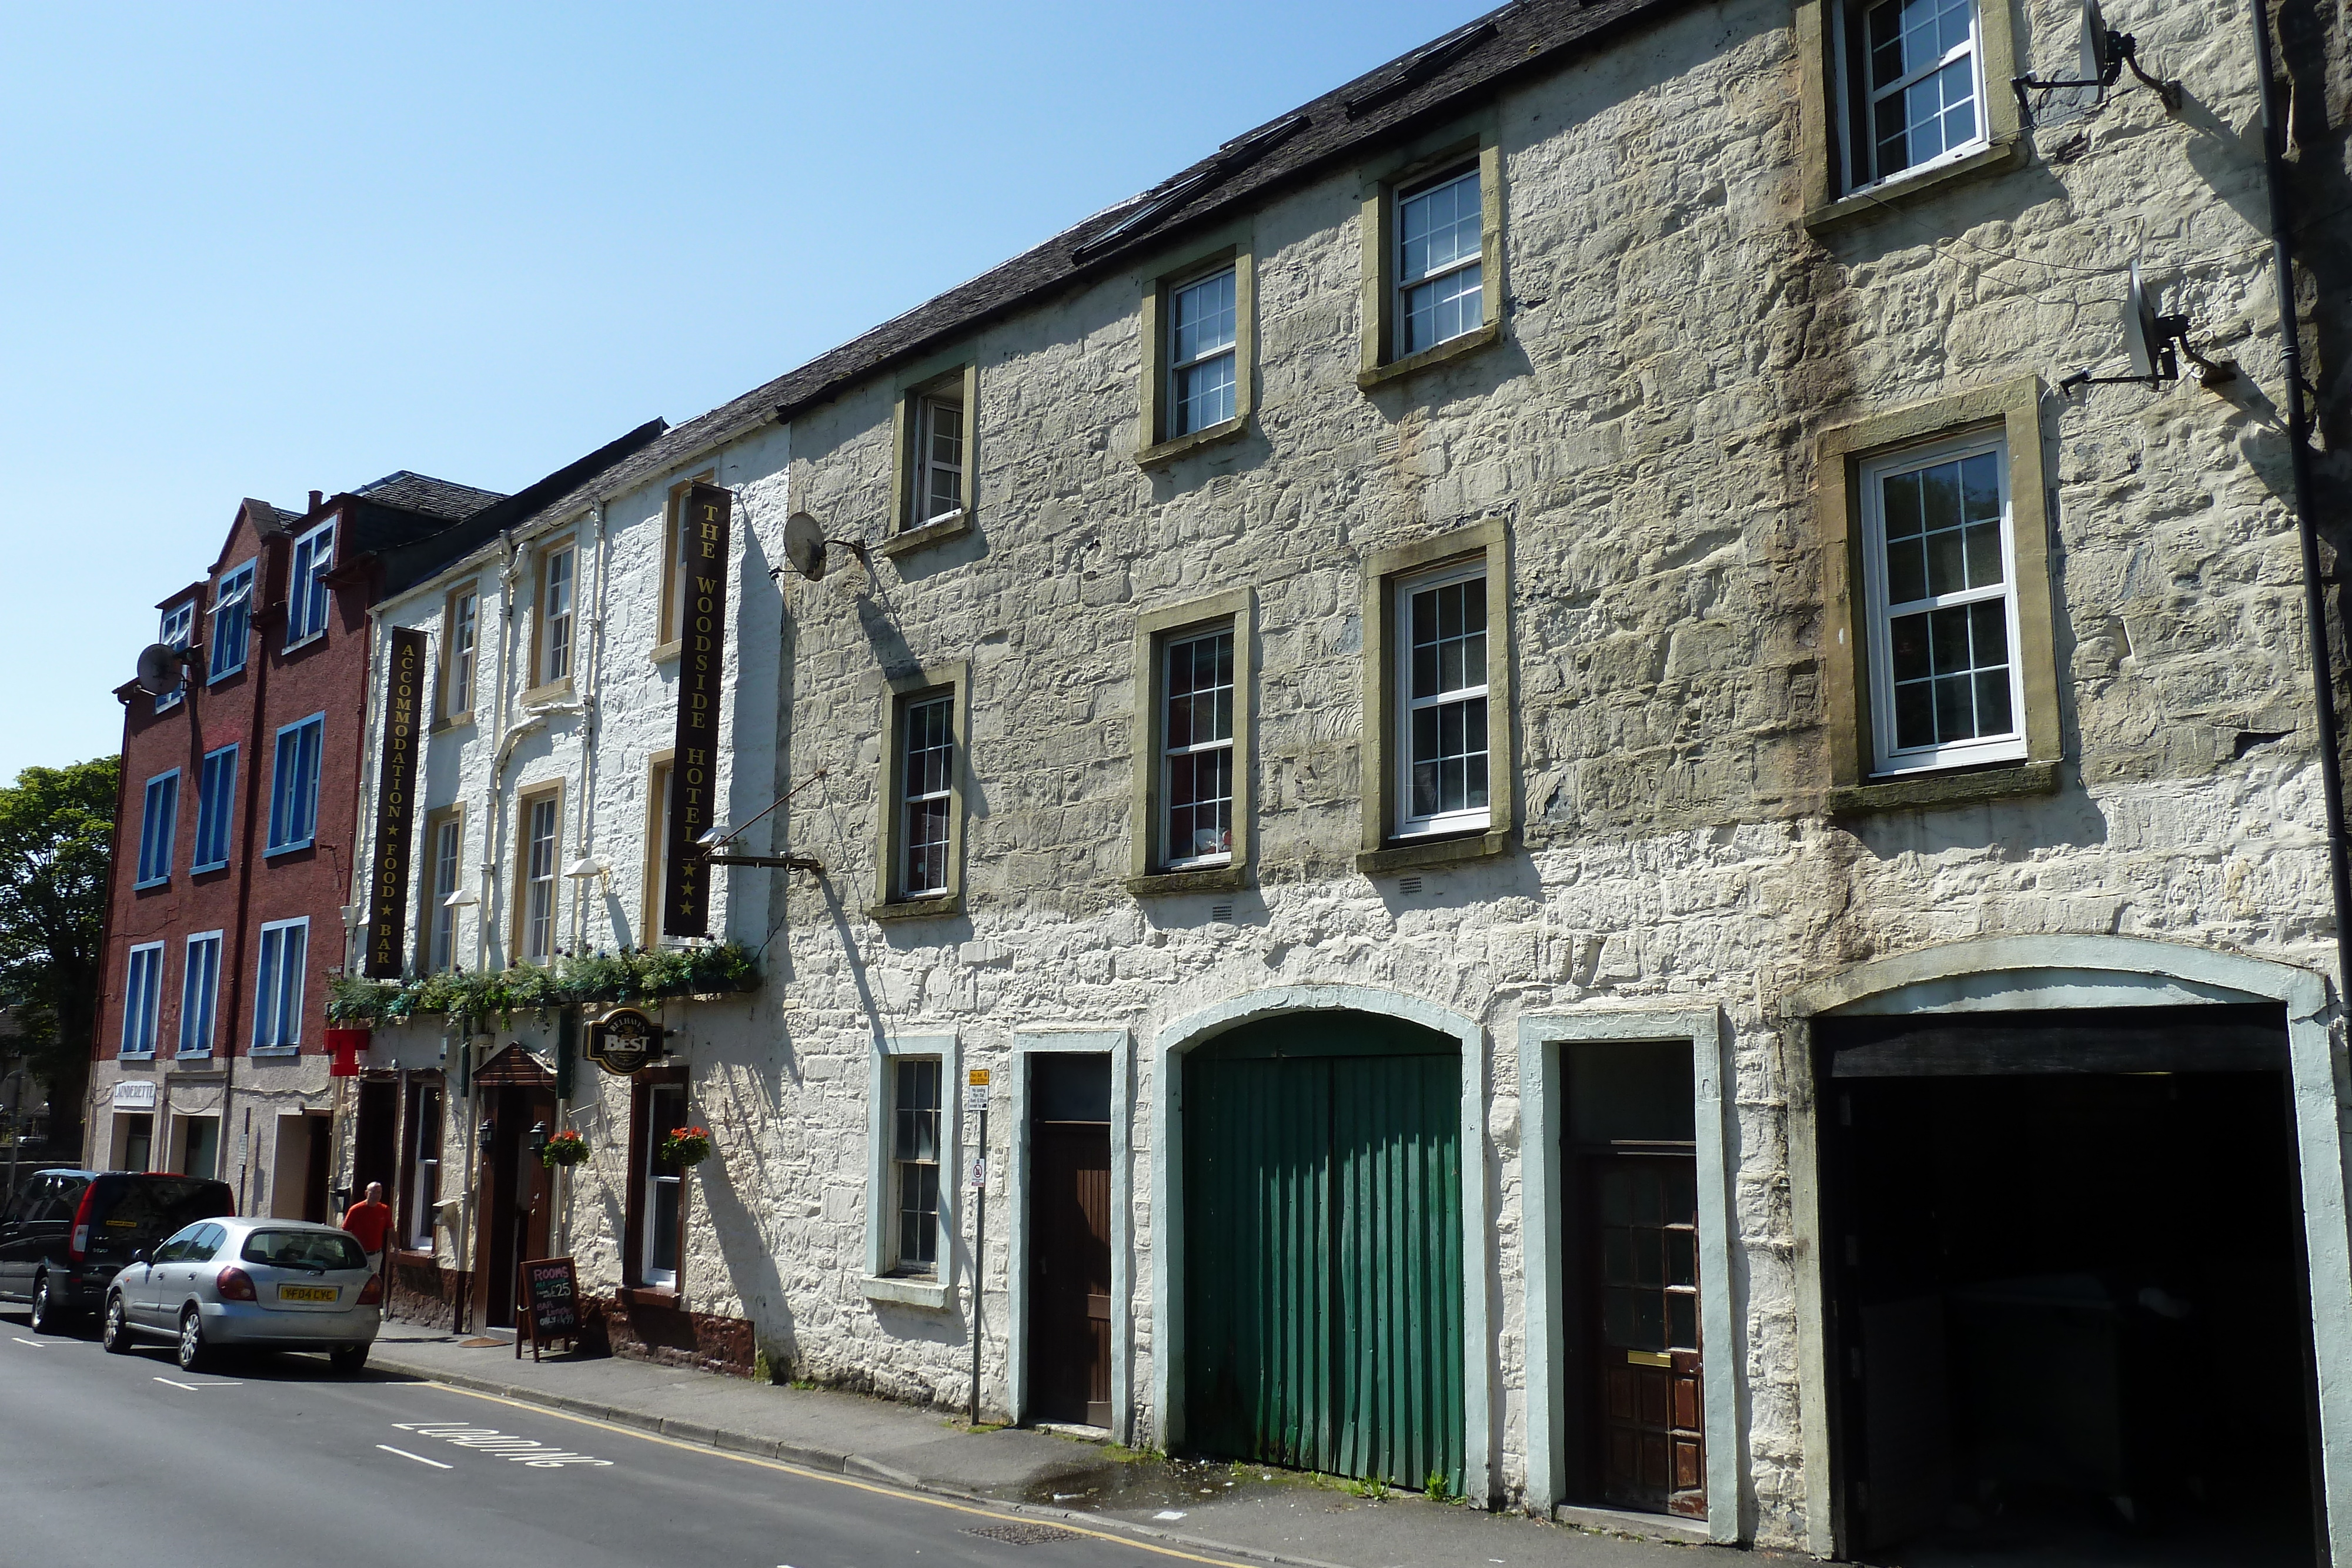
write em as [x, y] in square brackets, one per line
[1606, 843]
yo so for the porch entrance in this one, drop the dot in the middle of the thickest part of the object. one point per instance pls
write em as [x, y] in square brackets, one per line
[2069, 1309]
[1323, 1248]
[515, 1093]
[1069, 1239]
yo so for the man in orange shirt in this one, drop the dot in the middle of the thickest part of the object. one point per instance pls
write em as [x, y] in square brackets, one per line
[369, 1221]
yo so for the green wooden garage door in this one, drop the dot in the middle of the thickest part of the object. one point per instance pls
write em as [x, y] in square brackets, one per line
[1323, 1248]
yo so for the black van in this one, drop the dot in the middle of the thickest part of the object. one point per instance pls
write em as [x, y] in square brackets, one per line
[67, 1231]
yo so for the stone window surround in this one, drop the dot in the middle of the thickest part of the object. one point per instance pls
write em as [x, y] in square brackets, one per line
[1234, 246]
[428, 899]
[545, 550]
[650, 892]
[641, 1135]
[1543, 1202]
[937, 1292]
[928, 680]
[930, 377]
[1431, 155]
[1826, 205]
[444, 717]
[1153, 632]
[1028, 1044]
[518, 933]
[668, 645]
[2015, 406]
[1382, 852]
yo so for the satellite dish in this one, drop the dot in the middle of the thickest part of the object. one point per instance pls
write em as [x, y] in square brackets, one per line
[2096, 56]
[2143, 342]
[159, 669]
[804, 545]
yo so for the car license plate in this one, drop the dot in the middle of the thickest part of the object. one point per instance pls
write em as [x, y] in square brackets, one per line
[308, 1292]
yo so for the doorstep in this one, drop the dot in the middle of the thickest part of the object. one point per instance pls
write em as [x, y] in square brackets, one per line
[1625, 1521]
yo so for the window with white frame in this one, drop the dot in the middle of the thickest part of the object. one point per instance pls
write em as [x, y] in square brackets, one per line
[1201, 352]
[541, 818]
[179, 623]
[277, 984]
[1914, 85]
[1441, 271]
[938, 459]
[663, 1186]
[215, 808]
[143, 996]
[458, 649]
[445, 848]
[555, 603]
[232, 622]
[423, 1185]
[1196, 740]
[158, 817]
[1940, 578]
[927, 795]
[200, 994]
[294, 784]
[913, 1200]
[308, 599]
[1441, 686]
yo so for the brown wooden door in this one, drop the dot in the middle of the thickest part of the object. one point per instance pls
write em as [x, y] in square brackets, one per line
[515, 1201]
[1644, 1331]
[1069, 1242]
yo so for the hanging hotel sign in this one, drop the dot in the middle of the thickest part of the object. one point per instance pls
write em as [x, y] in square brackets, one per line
[395, 800]
[703, 524]
[623, 1041]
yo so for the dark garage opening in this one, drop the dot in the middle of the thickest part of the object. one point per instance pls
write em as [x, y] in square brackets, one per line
[2069, 1303]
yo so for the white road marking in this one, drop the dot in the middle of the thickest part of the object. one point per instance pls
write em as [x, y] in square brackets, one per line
[420, 1458]
[526, 1451]
[194, 1388]
[20, 1339]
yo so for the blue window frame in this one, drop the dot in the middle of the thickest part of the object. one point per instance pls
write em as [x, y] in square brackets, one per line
[200, 994]
[159, 818]
[179, 623]
[294, 785]
[215, 808]
[277, 984]
[307, 596]
[232, 622]
[142, 991]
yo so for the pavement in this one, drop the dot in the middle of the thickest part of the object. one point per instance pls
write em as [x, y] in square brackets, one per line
[1210, 1507]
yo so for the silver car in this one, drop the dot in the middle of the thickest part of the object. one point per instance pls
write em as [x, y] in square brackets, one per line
[275, 1284]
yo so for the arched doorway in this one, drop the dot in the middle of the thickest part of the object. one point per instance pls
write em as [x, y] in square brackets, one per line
[1322, 1234]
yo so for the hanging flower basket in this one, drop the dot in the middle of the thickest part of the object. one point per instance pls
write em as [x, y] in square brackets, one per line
[565, 1148]
[686, 1146]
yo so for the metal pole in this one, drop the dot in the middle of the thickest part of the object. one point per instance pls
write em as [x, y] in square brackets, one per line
[979, 1241]
[17, 1127]
[2315, 602]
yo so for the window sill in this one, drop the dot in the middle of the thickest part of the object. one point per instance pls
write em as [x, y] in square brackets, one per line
[414, 1256]
[275, 850]
[667, 653]
[938, 531]
[299, 643]
[667, 1297]
[1452, 348]
[208, 867]
[453, 721]
[137, 1058]
[230, 673]
[1932, 790]
[269, 1052]
[152, 883]
[1197, 879]
[1997, 159]
[553, 692]
[906, 1292]
[1208, 436]
[945, 905]
[1408, 856]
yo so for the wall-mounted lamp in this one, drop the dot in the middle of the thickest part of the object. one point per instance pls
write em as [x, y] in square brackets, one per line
[590, 866]
[537, 1139]
[462, 899]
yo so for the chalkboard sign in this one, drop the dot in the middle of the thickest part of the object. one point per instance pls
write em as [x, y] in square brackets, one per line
[550, 1303]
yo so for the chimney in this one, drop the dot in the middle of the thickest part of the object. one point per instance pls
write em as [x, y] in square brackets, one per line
[317, 497]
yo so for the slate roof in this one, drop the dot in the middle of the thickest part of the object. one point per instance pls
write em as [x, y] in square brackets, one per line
[423, 494]
[1397, 101]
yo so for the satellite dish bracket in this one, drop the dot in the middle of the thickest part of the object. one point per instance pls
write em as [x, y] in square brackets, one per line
[2171, 332]
[2118, 50]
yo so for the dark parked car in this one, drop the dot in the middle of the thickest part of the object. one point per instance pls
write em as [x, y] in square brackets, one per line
[69, 1232]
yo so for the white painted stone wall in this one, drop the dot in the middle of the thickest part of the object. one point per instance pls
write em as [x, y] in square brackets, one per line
[1675, 338]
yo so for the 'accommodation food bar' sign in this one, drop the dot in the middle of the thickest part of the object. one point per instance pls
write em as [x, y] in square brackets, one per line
[396, 803]
[702, 638]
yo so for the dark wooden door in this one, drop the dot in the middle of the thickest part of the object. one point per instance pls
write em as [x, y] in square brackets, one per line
[1069, 1239]
[376, 1141]
[321, 1130]
[1643, 1323]
[515, 1208]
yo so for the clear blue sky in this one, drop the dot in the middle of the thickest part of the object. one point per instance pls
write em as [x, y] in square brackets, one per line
[257, 250]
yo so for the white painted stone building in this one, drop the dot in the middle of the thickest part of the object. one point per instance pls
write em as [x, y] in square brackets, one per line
[1712, 1117]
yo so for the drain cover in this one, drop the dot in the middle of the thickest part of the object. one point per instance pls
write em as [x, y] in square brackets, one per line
[1024, 1534]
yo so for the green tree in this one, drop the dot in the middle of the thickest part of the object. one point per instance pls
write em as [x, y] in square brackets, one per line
[56, 841]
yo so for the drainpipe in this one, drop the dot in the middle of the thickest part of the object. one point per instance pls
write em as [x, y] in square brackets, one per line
[2314, 603]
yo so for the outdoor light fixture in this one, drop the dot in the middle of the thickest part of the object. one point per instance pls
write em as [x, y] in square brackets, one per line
[488, 1128]
[461, 899]
[539, 1137]
[719, 838]
[588, 867]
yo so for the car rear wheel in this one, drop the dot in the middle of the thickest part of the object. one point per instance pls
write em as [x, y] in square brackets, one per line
[46, 1316]
[116, 1335]
[348, 1357]
[195, 1354]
